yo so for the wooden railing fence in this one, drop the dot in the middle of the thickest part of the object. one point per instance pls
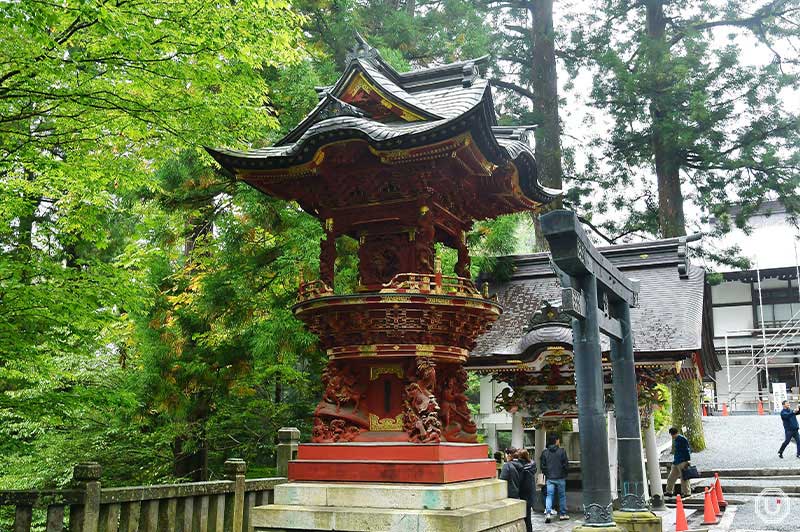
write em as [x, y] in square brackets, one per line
[215, 506]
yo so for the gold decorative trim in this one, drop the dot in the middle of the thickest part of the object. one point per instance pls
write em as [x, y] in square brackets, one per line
[429, 152]
[376, 371]
[359, 82]
[386, 424]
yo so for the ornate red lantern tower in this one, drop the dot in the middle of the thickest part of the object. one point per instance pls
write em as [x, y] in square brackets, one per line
[398, 161]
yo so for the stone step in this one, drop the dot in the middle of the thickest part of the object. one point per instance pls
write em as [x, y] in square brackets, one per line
[752, 473]
[392, 496]
[504, 515]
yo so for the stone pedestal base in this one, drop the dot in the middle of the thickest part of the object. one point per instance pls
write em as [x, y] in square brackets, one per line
[638, 521]
[474, 506]
[422, 463]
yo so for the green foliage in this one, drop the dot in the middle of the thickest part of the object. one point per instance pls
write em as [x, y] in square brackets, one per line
[95, 95]
[662, 415]
[490, 241]
[413, 32]
[145, 297]
[474, 392]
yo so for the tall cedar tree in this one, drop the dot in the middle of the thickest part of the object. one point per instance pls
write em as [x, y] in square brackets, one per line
[219, 332]
[714, 129]
[524, 48]
[698, 113]
[526, 72]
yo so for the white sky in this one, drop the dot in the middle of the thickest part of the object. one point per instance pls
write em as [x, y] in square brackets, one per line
[772, 243]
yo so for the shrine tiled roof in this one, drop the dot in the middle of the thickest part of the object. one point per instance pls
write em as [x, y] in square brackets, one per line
[397, 111]
[670, 322]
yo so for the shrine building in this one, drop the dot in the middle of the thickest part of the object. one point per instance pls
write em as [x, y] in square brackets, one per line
[400, 162]
[525, 359]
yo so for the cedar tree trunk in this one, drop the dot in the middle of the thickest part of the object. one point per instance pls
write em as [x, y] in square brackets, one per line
[685, 394]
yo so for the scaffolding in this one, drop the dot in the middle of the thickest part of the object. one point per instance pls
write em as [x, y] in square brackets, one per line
[768, 349]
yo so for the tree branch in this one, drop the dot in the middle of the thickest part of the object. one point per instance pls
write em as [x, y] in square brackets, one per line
[522, 91]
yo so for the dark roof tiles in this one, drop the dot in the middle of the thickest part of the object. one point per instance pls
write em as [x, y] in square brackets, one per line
[669, 318]
[452, 96]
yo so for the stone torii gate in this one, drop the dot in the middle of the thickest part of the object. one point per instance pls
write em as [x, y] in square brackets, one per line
[599, 297]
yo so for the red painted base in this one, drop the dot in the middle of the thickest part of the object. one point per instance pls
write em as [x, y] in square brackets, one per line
[440, 463]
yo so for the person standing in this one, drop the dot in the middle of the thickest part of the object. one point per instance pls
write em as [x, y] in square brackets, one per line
[527, 485]
[682, 455]
[511, 473]
[555, 466]
[791, 429]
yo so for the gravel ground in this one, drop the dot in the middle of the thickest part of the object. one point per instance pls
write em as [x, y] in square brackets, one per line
[750, 442]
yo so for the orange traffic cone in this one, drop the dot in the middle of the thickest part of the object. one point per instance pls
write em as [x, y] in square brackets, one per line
[681, 525]
[760, 409]
[709, 517]
[724, 409]
[718, 486]
[714, 501]
[705, 412]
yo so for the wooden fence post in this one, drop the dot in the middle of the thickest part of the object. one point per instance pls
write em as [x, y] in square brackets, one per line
[86, 517]
[235, 469]
[22, 518]
[288, 440]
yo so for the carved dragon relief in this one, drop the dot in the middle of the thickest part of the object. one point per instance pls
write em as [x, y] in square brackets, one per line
[421, 409]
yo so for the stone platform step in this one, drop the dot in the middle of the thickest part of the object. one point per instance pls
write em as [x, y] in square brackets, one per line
[392, 462]
[398, 497]
[494, 516]
[475, 506]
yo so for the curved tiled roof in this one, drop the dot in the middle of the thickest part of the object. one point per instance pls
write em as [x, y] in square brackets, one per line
[450, 99]
[669, 321]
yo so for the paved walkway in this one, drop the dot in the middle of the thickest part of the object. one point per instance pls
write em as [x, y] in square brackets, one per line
[537, 520]
[749, 442]
[742, 518]
[748, 518]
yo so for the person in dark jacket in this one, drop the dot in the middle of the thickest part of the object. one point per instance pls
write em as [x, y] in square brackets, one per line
[791, 429]
[527, 485]
[511, 473]
[554, 466]
[682, 455]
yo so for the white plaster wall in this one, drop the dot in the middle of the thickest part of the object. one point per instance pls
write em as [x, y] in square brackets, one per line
[769, 283]
[732, 318]
[731, 292]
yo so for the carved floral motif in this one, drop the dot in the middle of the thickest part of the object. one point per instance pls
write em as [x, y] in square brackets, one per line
[386, 424]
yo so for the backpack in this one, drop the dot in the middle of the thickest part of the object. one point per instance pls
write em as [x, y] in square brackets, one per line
[527, 481]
